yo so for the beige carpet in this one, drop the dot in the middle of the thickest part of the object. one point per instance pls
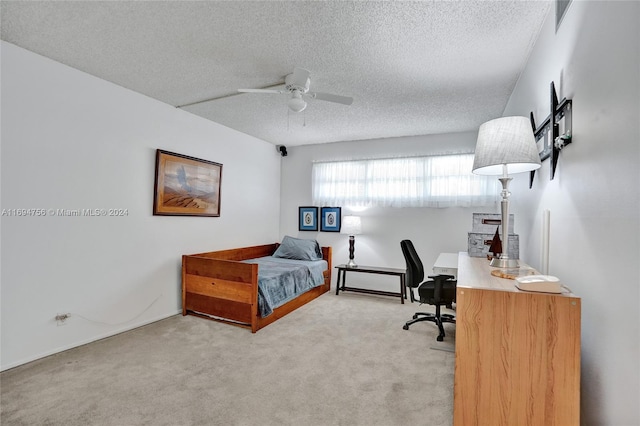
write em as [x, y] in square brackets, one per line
[339, 360]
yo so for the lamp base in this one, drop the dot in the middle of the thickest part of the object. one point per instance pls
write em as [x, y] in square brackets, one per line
[504, 263]
[351, 264]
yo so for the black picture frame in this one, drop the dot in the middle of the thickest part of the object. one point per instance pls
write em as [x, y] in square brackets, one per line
[330, 219]
[307, 218]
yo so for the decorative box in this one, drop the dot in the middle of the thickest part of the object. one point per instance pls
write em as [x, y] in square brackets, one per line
[479, 244]
[487, 223]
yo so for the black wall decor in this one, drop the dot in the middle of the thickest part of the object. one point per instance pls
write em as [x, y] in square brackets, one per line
[554, 133]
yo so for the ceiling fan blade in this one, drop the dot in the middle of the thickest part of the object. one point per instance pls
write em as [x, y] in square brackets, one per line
[346, 100]
[260, 91]
[300, 77]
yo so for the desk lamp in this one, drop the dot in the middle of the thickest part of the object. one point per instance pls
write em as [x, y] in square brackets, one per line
[351, 226]
[505, 145]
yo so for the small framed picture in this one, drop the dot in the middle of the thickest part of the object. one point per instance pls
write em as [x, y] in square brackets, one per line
[307, 218]
[330, 219]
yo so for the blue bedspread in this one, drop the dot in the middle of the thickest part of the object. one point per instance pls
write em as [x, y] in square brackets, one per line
[281, 280]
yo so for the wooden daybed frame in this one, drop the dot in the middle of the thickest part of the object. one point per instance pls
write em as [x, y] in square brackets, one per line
[222, 288]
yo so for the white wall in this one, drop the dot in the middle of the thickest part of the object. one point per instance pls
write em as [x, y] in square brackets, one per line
[72, 141]
[594, 199]
[432, 230]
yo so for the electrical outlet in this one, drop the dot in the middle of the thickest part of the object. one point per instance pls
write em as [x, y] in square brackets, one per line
[62, 318]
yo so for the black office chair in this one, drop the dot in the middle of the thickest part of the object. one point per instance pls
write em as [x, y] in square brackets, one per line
[440, 290]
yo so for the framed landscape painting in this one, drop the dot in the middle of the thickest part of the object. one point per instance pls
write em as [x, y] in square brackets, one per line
[186, 186]
[330, 219]
[307, 218]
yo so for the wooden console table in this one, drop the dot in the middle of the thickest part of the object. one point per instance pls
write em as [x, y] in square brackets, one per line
[517, 353]
[342, 278]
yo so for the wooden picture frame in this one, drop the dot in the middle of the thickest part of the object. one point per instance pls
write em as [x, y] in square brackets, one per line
[330, 219]
[186, 186]
[307, 218]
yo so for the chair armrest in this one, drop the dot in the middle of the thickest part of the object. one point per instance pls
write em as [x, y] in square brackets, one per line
[441, 277]
[438, 283]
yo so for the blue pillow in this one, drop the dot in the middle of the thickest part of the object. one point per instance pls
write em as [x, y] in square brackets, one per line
[298, 248]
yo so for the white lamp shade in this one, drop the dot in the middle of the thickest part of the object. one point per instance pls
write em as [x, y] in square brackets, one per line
[351, 225]
[297, 104]
[506, 140]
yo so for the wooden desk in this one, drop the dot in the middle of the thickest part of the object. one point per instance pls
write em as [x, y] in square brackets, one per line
[517, 353]
[342, 277]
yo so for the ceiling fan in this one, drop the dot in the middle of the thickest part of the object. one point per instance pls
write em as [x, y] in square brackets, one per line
[297, 86]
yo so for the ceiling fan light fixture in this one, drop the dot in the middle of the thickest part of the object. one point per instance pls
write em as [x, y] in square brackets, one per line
[296, 103]
[297, 85]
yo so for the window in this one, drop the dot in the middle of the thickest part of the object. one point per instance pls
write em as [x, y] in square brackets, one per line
[434, 181]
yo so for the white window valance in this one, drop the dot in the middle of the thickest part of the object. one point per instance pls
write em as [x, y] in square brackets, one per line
[430, 181]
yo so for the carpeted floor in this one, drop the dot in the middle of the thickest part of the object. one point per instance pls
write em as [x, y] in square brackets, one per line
[339, 360]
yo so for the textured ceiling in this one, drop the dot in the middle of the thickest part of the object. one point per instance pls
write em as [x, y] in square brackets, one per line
[413, 68]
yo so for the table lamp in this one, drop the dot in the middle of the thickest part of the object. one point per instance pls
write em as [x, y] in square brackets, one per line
[351, 226]
[505, 145]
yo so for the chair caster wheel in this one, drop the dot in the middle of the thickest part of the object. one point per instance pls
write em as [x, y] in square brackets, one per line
[439, 338]
[405, 327]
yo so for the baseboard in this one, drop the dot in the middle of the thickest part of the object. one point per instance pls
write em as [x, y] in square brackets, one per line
[85, 342]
